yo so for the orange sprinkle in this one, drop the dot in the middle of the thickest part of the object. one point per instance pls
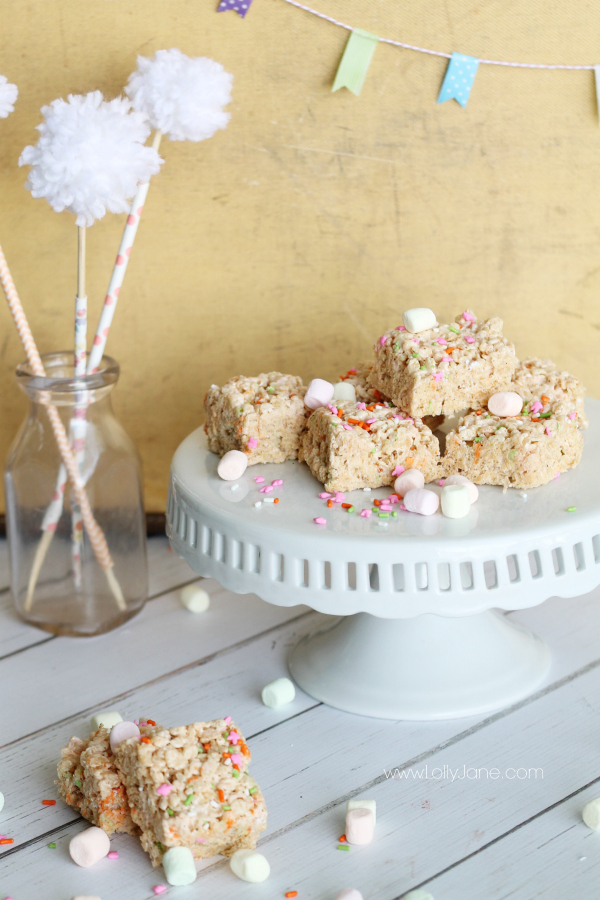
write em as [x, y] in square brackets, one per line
[545, 399]
[276, 500]
[377, 394]
[206, 747]
[235, 767]
[371, 407]
[330, 503]
[354, 422]
[365, 426]
[346, 505]
[477, 451]
[377, 502]
[49, 802]
[226, 755]
[536, 420]
[244, 749]
[343, 838]
[145, 740]
[221, 795]
[150, 722]
[292, 894]
[229, 824]
[410, 460]
[478, 412]
[7, 841]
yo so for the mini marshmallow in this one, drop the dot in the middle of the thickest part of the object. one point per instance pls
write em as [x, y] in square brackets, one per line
[343, 390]
[121, 731]
[591, 814]
[232, 465]
[194, 598]
[349, 894]
[410, 479]
[460, 479]
[456, 502]
[106, 717]
[418, 895]
[278, 693]
[363, 804]
[250, 866]
[360, 826]
[505, 403]
[318, 393]
[422, 501]
[179, 867]
[419, 319]
[89, 847]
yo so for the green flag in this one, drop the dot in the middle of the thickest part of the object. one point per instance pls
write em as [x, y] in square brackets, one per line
[355, 62]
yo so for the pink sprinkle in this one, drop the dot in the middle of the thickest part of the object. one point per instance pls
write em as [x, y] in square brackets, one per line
[320, 520]
[415, 340]
[339, 497]
[164, 789]
[438, 376]
[383, 339]
[370, 421]
[536, 406]
[346, 427]
[442, 342]
[227, 720]
[441, 482]
[277, 482]
[469, 339]
[258, 479]
[332, 408]
[468, 317]
[393, 498]
[200, 840]
[361, 405]
[233, 737]
[556, 476]
[548, 432]
[366, 514]
[398, 471]
[266, 489]
[324, 496]
[159, 888]
[113, 854]
[400, 328]
[236, 758]
[252, 443]
[402, 506]
[572, 415]
[447, 359]
[386, 507]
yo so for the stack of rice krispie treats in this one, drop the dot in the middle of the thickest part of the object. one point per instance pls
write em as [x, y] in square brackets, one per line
[399, 397]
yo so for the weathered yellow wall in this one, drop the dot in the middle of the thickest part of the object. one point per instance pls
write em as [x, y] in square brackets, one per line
[294, 237]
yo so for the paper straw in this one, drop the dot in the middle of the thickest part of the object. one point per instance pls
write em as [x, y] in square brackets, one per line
[77, 424]
[94, 531]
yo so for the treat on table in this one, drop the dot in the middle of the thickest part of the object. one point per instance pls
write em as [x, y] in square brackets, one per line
[189, 787]
[541, 383]
[445, 368]
[351, 446]
[88, 780]
[359, 377]
[519, 451]
[263, 417]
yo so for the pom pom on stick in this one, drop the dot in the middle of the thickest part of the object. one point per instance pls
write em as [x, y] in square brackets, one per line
[8, 95]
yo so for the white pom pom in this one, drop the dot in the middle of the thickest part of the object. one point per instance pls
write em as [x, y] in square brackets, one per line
[8, 96]
[90, 156]
[181, 96]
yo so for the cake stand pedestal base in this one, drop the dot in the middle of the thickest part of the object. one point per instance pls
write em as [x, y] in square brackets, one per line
[427, 667]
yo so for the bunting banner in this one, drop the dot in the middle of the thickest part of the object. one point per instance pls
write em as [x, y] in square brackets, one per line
[459, 79]
[241, 7]
[355, 62]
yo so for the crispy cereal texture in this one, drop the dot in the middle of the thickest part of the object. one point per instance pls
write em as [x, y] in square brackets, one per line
[444, 369]
[213, 805]
[542, 381]
[345, 453]
[90, 783]
[514, 452]
[263, 417]
[360, 377]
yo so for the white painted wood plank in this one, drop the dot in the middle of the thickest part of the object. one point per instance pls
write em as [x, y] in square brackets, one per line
[166, 570]
[4, 573]
[52, 681]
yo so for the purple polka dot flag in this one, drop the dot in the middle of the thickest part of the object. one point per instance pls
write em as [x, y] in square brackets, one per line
[241, 7]
[459, 79]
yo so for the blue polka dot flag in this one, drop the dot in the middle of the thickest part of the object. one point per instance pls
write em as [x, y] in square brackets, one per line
[459, 79]
[241, 7]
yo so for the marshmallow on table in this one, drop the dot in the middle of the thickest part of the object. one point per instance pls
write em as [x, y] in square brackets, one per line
[505, 403]
[360, 826]
[419, 319]
[232, 465]
[422, 501]
[250, 866]
[591, 814]
[89, 847]
[343, 390]
[179, 867]
[460, 479]
[410, 479]
[106, 717]
[278, 693]
[121, 731]
[349, 894]
[456, 502]
[363, 804]
[194, 598]
[318, 393]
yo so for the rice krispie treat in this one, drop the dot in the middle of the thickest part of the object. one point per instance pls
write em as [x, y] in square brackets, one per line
[543, 386]
[361, 376]
[263, 417]
[88, 781]
[519, 451]
[189, 787]
[351, 446]
[446, 368]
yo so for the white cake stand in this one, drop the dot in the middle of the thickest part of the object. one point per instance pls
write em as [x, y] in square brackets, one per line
[418, 638]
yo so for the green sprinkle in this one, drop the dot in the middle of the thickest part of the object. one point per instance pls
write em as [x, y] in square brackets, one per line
[201, 750]
[170, 812]
[188, 800]
[383, 515]
[487, 416]
[500, 426]
[511, 455]
[351, 509]
[477, 439]
[52, 846]
[226, 807]
[545, 415]
[571, 509]
[213, 786]
[374, 450]
[395, 515]
[454, 329]
[270, 390]
[78, 783]
[423, 368]
[252, 790]
[160, 846]
[235, 773]
[396, 346]
[416, 356]
[342, 847]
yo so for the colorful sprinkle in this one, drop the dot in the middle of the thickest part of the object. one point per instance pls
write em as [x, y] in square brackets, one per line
[48, 802]
[438, 376]
[469, 339]
[258, 479]
[383, 515]
[159, 888]
[382, 339]
[236, 758]
[200, 840]
[164, 789]
[468, 317]
[366, 514]
[441, 482]
[277, 482]
[536, 406]
[291, 894]
[571, 509]
[112, 855]
[319, 520]
[227, 720]
[233, 737]
[52, 846]
[252, 790]
[343, 847]
[324, 496]
[400, 328]
[398, 471]
[252, 443]
[266, 489]
[7, 841]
